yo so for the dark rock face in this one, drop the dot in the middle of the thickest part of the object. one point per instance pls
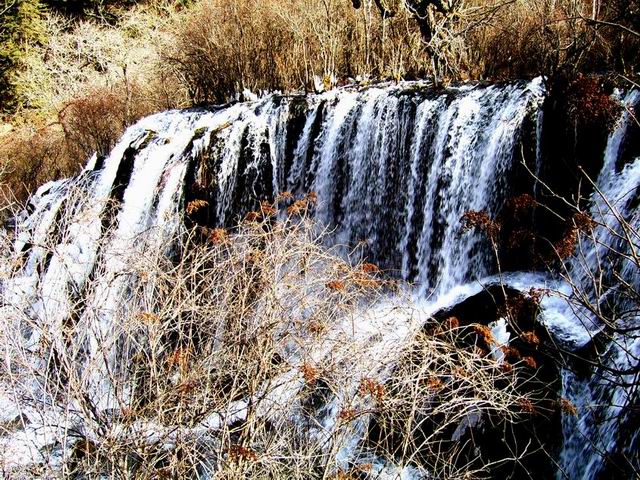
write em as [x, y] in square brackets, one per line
[562, 145]
[572, 139]
[531, 354]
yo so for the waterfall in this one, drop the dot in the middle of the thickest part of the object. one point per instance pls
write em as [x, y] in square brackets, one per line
[395, 173]
[607, 399]
[395, 167]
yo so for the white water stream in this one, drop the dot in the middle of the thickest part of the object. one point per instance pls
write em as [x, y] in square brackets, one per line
[394, 167]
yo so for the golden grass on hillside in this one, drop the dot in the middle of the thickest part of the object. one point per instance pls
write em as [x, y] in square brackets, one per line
[158, 56]
[225, 47]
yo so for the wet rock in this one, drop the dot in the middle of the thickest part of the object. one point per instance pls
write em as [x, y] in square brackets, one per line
[481, 323]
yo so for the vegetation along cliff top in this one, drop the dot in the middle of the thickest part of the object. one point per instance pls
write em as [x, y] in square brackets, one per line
[74, 74]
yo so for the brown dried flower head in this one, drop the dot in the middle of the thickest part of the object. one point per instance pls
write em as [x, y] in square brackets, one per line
[451, 323]
[482, 220]
[510, 352]
[369, 386]
[567, 407]
[148, 317]
[348, 414]
[531, 338]
[370, 268]
[267, 209]
[434, 383]
[195, 205]
[284, 196]
[530, 362]
[252, 216]
[337, 285]
[310, 374]
[219, 236]
[584, 222]
[238, 453]
[484, 332]
[526, 405]
[298, 207]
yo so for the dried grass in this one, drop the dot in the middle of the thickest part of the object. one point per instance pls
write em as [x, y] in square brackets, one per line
[230, 358]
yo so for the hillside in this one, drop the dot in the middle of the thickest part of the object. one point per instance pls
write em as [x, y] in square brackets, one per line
[75, 74]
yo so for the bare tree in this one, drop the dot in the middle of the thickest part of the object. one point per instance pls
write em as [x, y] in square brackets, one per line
[425, 12]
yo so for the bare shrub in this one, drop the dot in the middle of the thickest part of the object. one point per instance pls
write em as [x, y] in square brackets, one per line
[221, 48]
[86, 83]
[225, 47]
[30, 157]
[80, 56]
[257, 353]
[35, 154]
[93, 122]
[527, 38]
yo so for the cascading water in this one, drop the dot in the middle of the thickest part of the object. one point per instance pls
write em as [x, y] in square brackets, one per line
[394, 168]
[396, 171]
[605, 431]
